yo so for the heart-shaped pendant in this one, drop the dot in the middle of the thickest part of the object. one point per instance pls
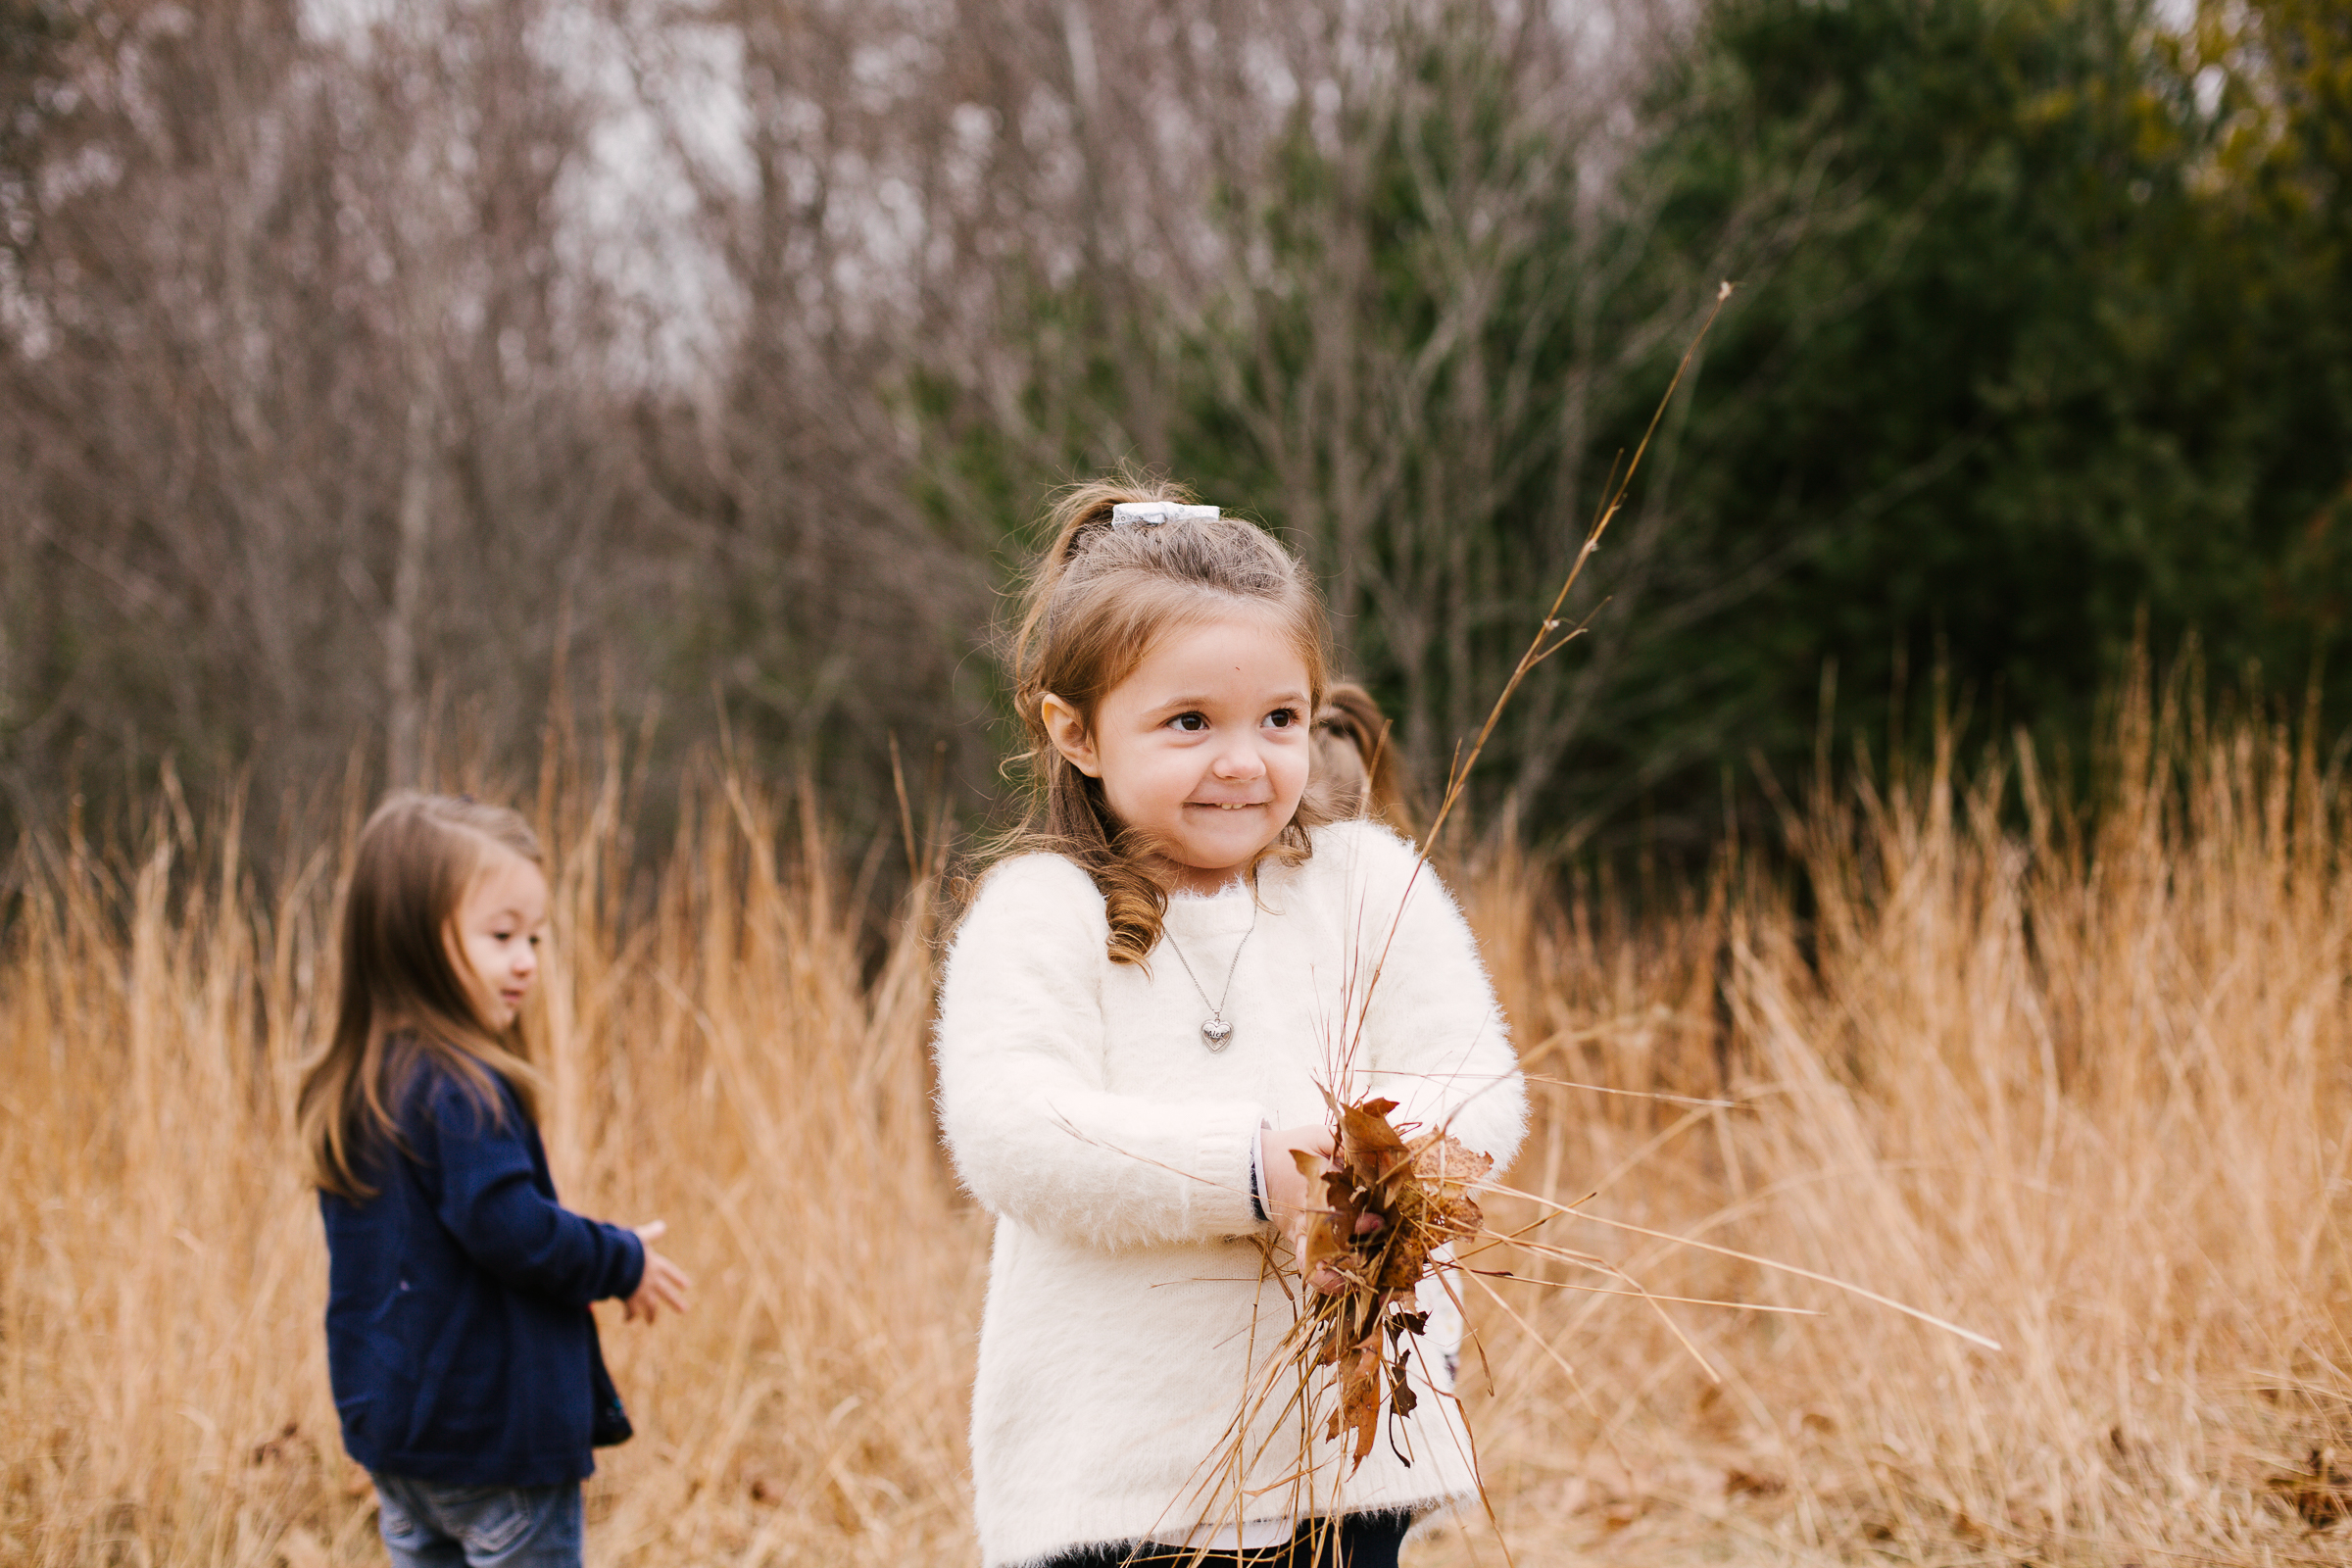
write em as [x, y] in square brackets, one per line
[1216, 1032]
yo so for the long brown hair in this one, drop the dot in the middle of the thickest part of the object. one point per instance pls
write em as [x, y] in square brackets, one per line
[404, 1000]
[1096, 604]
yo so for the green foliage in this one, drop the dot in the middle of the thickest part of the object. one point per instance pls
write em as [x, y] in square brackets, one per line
[2060, 360]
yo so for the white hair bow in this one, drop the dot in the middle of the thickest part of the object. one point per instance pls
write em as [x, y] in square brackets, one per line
[1151, 514]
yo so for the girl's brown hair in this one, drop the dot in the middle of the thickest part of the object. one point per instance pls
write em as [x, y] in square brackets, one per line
[1356, 767]
[405, 1000]
[1097, 602]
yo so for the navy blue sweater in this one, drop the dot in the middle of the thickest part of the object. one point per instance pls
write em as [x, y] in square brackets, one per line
[459, 1339]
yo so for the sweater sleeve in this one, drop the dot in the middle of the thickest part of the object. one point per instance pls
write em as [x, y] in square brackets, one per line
[1035, 1135]
[480, 1179]
[1433, 1039]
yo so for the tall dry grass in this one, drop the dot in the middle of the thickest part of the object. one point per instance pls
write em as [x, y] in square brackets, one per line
[2072, 1075]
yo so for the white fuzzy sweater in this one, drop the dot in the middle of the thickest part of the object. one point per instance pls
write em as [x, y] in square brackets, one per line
[1128, 1315]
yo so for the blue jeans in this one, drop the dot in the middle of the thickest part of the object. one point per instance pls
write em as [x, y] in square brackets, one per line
[427, 1524]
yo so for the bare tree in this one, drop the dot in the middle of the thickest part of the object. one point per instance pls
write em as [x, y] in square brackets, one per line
[311, 418]
[336, 418]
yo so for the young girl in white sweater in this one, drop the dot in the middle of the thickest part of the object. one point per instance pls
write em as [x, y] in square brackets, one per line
[1140, 1019]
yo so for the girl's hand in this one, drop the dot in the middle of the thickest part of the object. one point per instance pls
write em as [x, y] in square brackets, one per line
[1291, 1197]
[663, 1283]
[1288, 1189]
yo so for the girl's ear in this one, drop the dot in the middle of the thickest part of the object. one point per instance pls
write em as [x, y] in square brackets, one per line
[1070, 736]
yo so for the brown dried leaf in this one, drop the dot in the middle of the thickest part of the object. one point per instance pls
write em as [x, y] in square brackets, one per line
[1369, 1147]
[1360, 1403]
[1402, 1397]
[1447, 1162]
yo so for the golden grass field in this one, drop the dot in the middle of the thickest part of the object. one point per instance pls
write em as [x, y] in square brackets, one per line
[2078, 1076]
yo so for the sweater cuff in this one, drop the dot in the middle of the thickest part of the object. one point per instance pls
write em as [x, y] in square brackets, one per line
[1229, 1207]
[633, 1268]
[1258, 1173]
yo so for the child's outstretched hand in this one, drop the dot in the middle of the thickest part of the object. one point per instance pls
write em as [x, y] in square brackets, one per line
[663, 1283]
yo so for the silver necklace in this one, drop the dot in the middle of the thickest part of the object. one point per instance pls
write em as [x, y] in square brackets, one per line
[1215, 1032]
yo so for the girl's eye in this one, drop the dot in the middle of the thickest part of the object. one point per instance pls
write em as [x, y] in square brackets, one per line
[1283, 717]
[1189, 723]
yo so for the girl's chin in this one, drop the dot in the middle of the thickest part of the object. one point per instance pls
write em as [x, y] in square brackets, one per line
[1215, 863]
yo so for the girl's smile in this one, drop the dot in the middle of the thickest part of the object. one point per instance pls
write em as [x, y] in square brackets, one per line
[1203, 747]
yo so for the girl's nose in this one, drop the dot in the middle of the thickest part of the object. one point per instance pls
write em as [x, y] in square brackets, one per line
[1240, 763]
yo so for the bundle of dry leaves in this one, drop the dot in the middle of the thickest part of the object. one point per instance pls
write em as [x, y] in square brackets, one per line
[1391, 1207]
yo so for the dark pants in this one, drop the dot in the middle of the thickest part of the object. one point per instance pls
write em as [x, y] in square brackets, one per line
[1361, 1540]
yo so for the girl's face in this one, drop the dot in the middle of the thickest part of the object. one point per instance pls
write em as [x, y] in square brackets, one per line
[1204, 746]
[499, 924]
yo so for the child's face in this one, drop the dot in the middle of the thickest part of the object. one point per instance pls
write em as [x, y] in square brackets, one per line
[499, 925]
[1204, 746]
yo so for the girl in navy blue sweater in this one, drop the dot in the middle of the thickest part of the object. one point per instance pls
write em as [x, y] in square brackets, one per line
[459, 1336]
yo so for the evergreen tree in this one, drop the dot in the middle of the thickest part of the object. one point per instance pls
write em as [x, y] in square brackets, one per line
[2066, 359]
